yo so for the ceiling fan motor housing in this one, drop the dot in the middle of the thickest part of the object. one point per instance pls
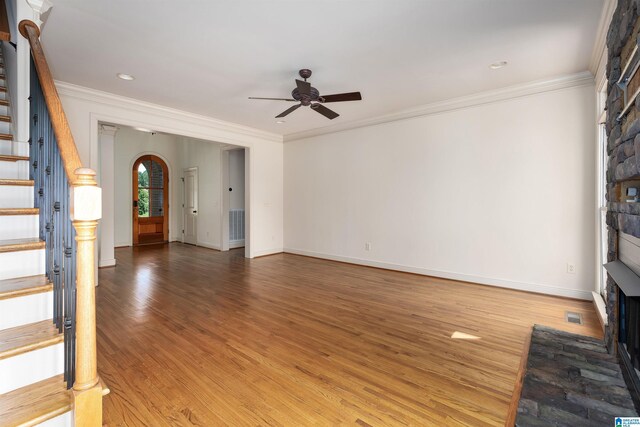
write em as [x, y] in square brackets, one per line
[314, 95]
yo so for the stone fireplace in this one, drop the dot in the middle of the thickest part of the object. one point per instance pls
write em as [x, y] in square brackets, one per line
[622, 334]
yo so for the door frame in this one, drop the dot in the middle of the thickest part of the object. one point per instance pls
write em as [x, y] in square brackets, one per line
[174, 125]
[134, 194]
[184, 202]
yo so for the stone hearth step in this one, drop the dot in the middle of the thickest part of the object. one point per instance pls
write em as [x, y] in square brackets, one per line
[571, 380]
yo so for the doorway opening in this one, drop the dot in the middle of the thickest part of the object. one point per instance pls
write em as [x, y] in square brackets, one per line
[234, 218]
[150, 177]
[190, 206]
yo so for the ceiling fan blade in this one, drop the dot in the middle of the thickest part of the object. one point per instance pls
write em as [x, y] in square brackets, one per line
[339, 97]
[273, 99]
[329, 114]
[303, 87]
[288, 110]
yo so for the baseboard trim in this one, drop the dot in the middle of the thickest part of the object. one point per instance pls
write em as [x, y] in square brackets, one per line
[208, 245]
[265, 252]
[235, 245]
[107, 262]
[501, 283]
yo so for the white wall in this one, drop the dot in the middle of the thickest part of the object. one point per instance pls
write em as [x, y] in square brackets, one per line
[85, 108]
[500, 193]
[129, 145]
[236, 179]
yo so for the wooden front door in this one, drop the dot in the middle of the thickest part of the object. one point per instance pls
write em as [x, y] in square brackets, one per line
[150, 200]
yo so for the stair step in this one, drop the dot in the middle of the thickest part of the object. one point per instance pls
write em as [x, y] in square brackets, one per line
[11, 158]
[6, 136]
[13, 288]
[19, 211]
[34, 336]
[4, 102]
[5, 118]
[15, 245]
[35, 403]
[20, 182]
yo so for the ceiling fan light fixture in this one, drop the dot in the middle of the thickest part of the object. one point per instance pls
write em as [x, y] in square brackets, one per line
[124, 76]
[498, 65]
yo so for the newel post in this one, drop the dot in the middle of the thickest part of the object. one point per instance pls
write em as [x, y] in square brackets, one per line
[86, 210]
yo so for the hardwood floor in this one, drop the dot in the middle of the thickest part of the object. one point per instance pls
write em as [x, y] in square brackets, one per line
[190, 336]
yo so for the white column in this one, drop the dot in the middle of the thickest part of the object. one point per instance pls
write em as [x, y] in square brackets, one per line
[106, 234]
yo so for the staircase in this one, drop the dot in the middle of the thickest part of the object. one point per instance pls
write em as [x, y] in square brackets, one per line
[35, 378]
[32, 388]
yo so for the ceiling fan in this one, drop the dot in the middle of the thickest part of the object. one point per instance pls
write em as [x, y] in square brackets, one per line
[310, 97]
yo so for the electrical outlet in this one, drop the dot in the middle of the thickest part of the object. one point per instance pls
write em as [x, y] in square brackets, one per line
[367, 246]
[571, 268]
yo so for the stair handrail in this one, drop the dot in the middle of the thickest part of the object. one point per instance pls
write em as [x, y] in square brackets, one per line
[66, 144]
[85, 211]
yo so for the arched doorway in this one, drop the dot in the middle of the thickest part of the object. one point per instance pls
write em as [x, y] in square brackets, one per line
[150, 200]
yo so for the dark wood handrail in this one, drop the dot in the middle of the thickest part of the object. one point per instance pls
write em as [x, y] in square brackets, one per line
[61, 129]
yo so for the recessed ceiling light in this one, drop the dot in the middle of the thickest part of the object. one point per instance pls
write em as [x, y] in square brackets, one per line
[280, 122]
[143, 130]
[124, 76]
[497, 65]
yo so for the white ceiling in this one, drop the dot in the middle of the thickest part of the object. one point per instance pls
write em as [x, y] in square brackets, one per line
[207, 56]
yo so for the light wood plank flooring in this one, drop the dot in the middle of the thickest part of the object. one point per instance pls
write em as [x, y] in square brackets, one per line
[190, 336]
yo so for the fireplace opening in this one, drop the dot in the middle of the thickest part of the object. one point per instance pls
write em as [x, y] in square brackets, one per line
[629, 341]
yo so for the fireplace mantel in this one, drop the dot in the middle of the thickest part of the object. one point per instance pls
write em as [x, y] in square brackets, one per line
[625, 278]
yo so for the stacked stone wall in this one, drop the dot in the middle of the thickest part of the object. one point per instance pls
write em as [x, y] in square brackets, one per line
[623, 143]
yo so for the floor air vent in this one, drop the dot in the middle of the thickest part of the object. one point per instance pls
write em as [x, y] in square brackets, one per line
[574, 317]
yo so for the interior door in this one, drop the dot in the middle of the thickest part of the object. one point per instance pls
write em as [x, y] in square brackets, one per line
[150, 200]
[190, 205]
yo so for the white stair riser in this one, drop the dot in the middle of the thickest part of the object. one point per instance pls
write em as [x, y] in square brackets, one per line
[21, 264]
[4, 110]
[14, 170]
[18, 226]
[30, 367]
[24, 310]
[14, 147]
[16, 196]
[5, 127]
[64, 420]
[19, 148]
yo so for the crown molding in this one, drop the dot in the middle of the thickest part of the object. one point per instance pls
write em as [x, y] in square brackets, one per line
[123, 102]
[600, 43]
[580, 79]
